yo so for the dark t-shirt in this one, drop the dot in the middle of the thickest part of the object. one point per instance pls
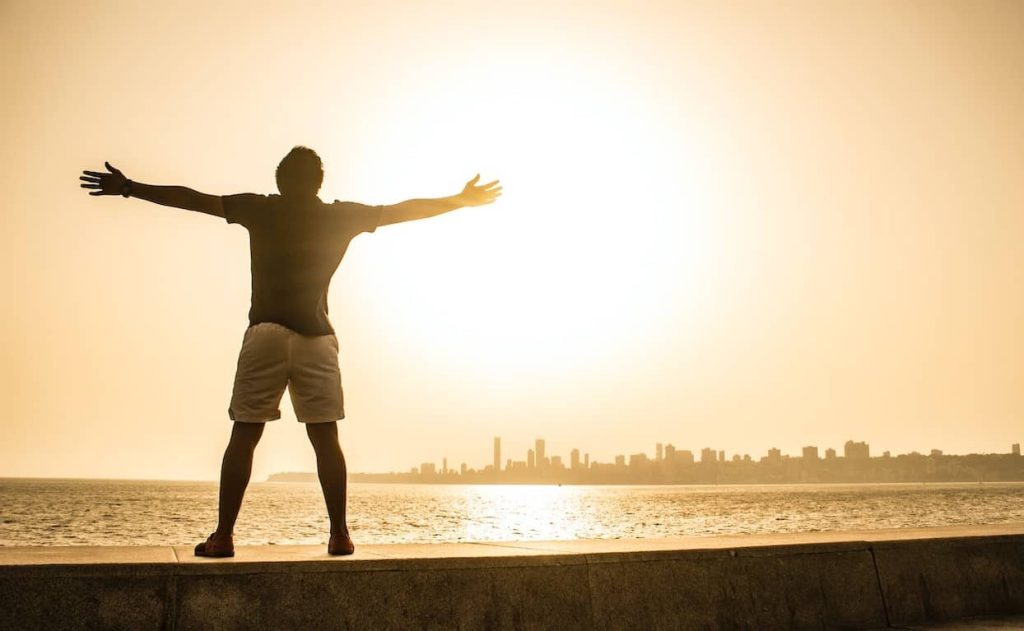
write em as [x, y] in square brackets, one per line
[295, 246]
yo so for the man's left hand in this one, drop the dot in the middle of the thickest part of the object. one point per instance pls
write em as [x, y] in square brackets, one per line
[111, 183]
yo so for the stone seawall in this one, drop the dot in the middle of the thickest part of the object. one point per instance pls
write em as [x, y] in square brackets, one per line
[839, 580]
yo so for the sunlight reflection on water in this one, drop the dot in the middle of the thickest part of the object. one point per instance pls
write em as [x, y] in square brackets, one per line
[114, 512]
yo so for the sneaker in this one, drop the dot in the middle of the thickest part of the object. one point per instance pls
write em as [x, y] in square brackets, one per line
[215, 546]
[340, 544]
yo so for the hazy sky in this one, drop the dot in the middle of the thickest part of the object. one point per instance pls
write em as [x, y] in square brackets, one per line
[728, 224]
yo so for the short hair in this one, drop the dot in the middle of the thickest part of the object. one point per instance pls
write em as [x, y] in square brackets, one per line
[301, 172]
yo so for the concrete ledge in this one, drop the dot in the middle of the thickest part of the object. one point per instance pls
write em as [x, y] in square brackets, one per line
[840, 580]
[924, 581]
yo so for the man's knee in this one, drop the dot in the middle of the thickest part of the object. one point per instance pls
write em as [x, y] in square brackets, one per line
[323, 435]
[246, 434]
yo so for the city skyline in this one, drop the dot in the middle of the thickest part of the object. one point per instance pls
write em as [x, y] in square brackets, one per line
[536, 458]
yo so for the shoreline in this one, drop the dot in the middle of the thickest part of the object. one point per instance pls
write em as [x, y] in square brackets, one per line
[267, 480]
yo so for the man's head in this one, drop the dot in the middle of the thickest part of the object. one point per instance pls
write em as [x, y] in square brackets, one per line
[300, 173]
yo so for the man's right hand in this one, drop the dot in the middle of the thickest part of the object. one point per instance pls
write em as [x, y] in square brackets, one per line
[111, 183]
[474, 194]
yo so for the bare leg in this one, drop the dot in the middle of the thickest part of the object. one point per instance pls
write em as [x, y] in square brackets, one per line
[234, 473]
[330, 466]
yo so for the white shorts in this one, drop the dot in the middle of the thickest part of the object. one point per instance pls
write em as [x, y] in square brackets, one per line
[273, 357]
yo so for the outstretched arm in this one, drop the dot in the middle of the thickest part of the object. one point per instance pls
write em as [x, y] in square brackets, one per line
[471, 195]
[115, 183]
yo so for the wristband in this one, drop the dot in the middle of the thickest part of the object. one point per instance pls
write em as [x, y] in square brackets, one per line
[126, 190]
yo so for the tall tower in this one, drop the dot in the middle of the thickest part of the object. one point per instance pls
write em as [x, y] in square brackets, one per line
[574, 459]
[660, 455]
[497, 453]
[539, 452]
[531, 461]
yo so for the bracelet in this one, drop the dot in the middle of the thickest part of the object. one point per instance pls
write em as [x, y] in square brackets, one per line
[126, 190]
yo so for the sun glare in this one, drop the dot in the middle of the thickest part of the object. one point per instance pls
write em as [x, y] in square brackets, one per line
[586, 251]
[521, 512]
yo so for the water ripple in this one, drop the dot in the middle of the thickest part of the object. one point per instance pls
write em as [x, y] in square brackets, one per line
[91, 512]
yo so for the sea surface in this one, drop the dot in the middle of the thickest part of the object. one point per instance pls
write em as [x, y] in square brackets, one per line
[129, 512]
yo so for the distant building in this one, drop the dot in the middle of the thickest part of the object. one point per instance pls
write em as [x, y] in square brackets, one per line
[1015, 449]
[620, 461]
[856, 450]
[497, 453]
[774, 455]
[708, 455]
[638, 460]
[444, 466]
[684, 456]
[886, 454]
[531, 459]
[830, 453]
[462, 469]
[670, 453]
[659, 453]
[935, 452]
[539, 452]
[574, 459]
[428, 468]
[556, 462]
[810, 453]
[721, 455]
[586, 461]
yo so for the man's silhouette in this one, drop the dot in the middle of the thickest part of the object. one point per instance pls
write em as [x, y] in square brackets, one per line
[296, 243]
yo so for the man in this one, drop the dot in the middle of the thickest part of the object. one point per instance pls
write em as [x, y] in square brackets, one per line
[296, 243]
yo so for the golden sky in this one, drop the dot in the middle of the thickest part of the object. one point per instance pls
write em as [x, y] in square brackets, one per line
[739, 225]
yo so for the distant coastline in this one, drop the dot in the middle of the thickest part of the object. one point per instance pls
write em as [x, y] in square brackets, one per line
[672, 466]
[910, 469]
[294, 476]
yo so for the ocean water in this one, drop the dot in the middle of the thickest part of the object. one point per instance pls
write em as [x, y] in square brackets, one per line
[125, 512]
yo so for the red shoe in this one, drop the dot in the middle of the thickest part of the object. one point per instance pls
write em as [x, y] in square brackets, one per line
[215, 546]
[341, 544]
